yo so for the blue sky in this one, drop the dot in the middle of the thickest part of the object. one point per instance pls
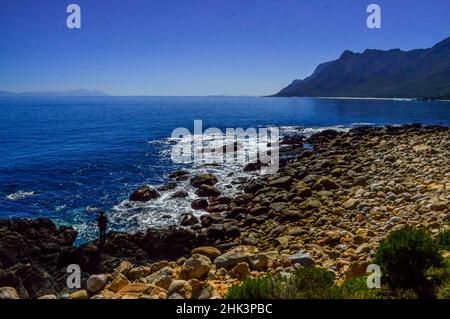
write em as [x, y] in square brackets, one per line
[198, 47]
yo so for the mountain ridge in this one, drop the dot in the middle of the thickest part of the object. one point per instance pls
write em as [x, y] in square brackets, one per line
[417, 73]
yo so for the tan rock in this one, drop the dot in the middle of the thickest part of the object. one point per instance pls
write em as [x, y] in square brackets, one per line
[422, 148]
[118, 283]
[240, 271]
[181, 287]
[158, 265]
[139, 272]
[195, 267]
[234, 256]
[139, 289]
[8, 293]
[50, 296]
[124, 267]
[208, 251]
[356, 269]
[162, 278]
[96, 283]
[80, 294]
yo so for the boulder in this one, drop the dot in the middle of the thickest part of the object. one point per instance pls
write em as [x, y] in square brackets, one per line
[139, 272]
[207, 191]
[180, 194]
[240, 271]
[96, 283]
[179, 174]
[8, 293]
[144, 194]
[80, 294]
[235, 256]
[188, 219]
[258, 261]
[303, 259]
[203, 179]
[118, 283]
[259, 210]
[208, 251]
[284, 182]
[180, 287]
[199, 203]
[166, 187]
[327, 183]
[162, 278]
[197, 266]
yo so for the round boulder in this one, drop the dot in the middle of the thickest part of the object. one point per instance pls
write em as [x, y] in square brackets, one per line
[144, 194]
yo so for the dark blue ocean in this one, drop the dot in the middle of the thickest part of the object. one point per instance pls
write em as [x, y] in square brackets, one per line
[62, 157]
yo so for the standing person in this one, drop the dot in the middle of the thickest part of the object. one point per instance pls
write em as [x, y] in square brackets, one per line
[102, 222]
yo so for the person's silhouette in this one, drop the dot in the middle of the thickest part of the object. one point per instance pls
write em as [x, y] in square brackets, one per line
[102, 221]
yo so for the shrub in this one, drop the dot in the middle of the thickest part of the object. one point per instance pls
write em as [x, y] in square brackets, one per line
[405, 256]
[305, 283]
[443, 239]
[312, 283]
[356, 288]
[267, 287]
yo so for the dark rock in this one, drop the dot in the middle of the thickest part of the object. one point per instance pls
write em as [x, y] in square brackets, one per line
[207, 191]
[180, 194]
[236, 211]
[199, 203]
[327, 183]
[253, 187]
[207, 220]
[144, 194]
[284, 182]
[188, 219]
[203, 179]
[178, 174]
[168, 186]
[232, 231]
[215, 232]
[259, 210]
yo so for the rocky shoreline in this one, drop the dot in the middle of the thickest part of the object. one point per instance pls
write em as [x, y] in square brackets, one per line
[329, 207]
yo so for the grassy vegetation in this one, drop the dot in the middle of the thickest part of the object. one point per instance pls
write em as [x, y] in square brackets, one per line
[411, 262]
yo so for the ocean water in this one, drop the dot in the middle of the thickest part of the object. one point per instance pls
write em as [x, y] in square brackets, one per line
[62, 157]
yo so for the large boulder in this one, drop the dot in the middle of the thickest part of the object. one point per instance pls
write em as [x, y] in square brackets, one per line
[197, 266]
[235, 256]
[188, 219]
[208, 251]
[162, 278]
[199, 203]
[8, 293]
[207, 191]
[203, 179]
[144, 194]
[96, 283]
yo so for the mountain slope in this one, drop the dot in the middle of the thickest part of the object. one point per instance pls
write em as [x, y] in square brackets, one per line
[376, 73]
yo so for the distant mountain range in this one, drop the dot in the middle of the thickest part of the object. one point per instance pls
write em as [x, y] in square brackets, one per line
[421, 73]
[80, 93]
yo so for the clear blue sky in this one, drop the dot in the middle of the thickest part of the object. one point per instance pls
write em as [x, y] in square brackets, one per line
[197, 47]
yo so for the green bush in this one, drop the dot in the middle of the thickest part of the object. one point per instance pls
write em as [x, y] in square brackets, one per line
[305, 283]
[405, 256]
[443, 240]
[267, 287]
[312, 283]
[356, 288]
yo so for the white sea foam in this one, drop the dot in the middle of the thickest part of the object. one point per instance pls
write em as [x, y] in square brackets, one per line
[165, 211]
[19, 195]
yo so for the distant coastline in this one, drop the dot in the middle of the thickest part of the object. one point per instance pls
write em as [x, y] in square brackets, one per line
[66, 93]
